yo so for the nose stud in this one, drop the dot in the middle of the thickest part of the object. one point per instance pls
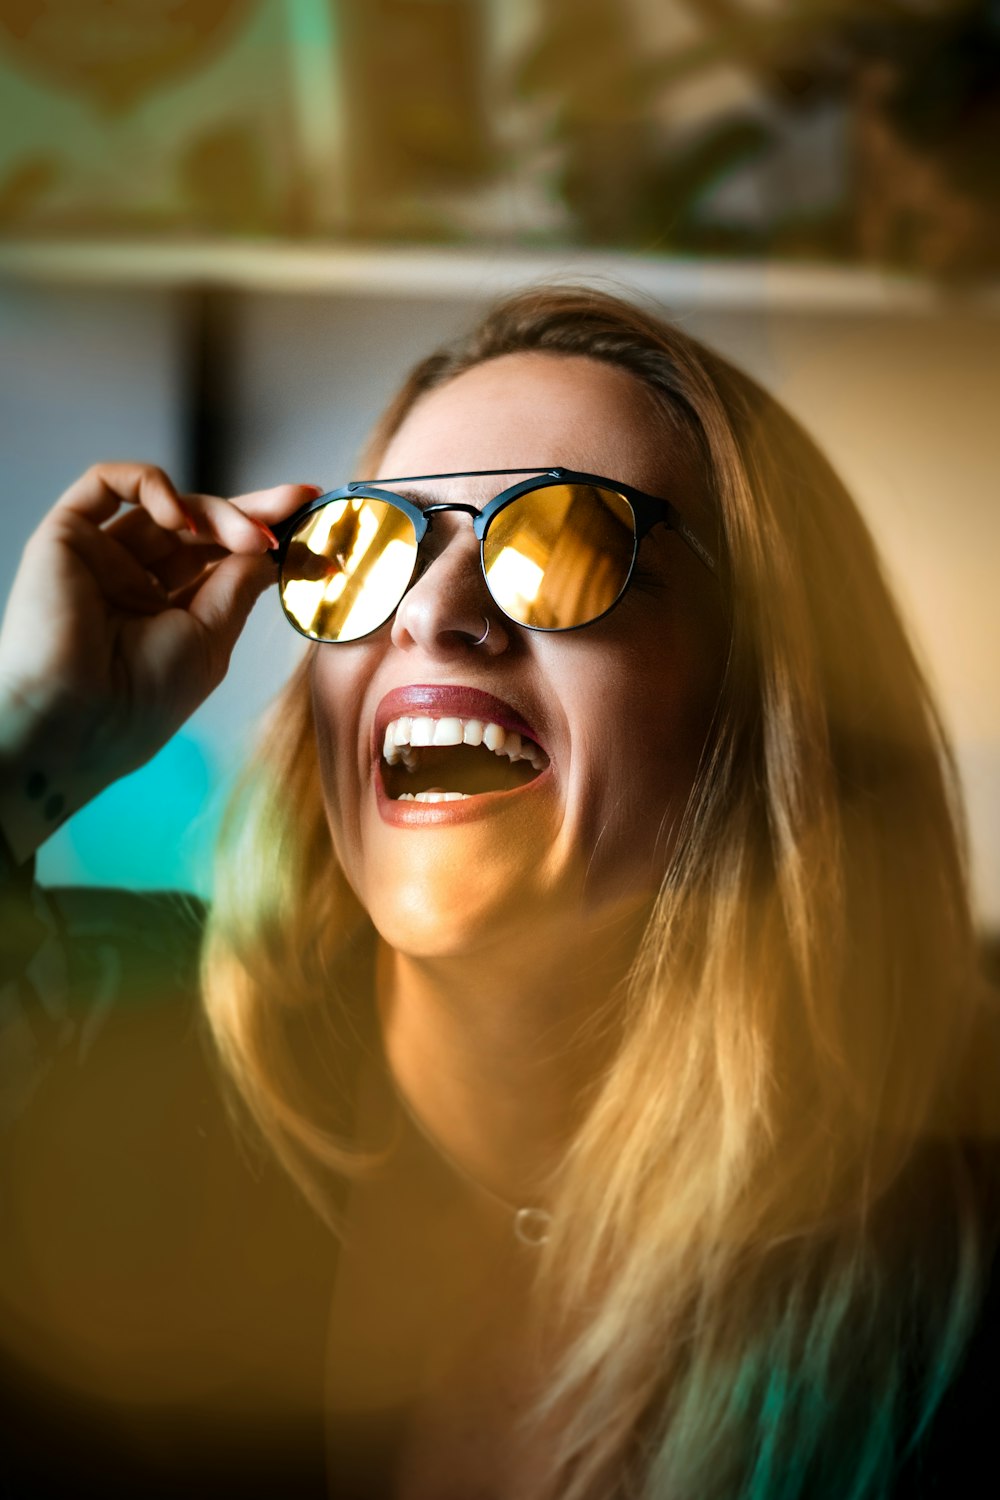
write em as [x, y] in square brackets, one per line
[484, 634]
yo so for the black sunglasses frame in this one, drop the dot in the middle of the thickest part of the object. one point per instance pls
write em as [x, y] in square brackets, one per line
[647, 510]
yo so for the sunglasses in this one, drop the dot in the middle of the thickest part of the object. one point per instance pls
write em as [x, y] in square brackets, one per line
[557, 550]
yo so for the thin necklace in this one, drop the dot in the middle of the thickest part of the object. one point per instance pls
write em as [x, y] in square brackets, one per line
[531, 1223]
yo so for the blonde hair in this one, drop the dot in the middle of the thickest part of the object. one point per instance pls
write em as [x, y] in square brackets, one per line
[771, 1232]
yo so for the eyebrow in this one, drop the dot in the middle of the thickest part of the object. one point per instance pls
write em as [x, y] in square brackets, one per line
[424, 498]
[421, 497]
[416, 497]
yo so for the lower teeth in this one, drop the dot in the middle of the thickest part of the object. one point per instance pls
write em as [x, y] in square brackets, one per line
[432, 797]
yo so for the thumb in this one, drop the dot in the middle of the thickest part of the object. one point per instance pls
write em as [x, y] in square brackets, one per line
[222, 604]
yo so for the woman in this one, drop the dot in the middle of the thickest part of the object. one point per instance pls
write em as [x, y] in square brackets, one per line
[634, 1045]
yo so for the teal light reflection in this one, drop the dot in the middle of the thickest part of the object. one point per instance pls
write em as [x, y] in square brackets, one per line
[152, 830]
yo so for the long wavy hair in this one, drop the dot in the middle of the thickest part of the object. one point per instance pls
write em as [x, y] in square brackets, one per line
[772, 1230]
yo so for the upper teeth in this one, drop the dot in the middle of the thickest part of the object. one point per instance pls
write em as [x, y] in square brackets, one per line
[404, 733]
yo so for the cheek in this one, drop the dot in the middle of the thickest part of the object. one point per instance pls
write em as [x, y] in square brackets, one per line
[643, 726]
[335, 686]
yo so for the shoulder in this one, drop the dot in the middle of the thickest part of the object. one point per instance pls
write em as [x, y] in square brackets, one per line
[74, 961]
[106, 1013]
[155, 935]
[162, 1260]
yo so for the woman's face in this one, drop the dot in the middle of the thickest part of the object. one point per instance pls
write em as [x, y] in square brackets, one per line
[619, 709]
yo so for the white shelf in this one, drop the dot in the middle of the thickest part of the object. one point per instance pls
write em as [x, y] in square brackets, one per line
[277, 266]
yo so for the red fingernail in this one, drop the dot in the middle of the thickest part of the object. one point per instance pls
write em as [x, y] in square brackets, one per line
[272, 539]
[188, 518]
[313, 489]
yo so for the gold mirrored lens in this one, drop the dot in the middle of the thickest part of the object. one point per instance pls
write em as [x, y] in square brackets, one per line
[560, 556]
[346, 568]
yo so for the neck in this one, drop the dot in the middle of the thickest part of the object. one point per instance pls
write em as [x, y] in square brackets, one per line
[496, 1058]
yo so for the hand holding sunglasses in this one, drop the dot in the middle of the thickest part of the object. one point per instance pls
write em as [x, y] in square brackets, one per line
[121, 619]
[557, 550]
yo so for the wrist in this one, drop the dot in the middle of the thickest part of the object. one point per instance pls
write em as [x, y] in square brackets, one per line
[43, 775]
[28, 718]
[33, 804]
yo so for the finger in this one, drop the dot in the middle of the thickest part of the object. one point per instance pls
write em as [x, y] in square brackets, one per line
[277, 503]
[182, 597]
[147, 541]
[222, 603]
[258, 506]
[98, 494]
[120, 578]
[186, 566]
[225, 522]
[175, 559]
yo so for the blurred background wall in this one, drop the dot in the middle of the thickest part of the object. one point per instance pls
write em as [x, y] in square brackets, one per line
[228, 227]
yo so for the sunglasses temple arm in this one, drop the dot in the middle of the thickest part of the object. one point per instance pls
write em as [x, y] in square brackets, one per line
[697, 546]
[691, 539]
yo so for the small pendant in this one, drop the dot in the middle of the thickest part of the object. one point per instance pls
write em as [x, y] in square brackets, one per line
[531, 1225]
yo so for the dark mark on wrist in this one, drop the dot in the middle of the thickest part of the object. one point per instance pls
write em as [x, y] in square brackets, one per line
[37, 786]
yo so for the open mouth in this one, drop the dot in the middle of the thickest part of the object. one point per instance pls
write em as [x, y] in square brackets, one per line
[450, 759]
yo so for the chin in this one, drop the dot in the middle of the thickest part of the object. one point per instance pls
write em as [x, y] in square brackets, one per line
[428, 920]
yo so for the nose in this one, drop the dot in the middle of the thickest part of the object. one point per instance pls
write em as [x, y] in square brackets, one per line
[447, 610]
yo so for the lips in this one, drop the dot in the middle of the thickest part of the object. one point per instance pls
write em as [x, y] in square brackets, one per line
[438, 701]
[451, 751]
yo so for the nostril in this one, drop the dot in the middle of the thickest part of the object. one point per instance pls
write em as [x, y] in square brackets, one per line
[443, 608]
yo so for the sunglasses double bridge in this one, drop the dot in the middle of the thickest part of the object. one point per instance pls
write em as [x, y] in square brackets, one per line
[557, 550]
